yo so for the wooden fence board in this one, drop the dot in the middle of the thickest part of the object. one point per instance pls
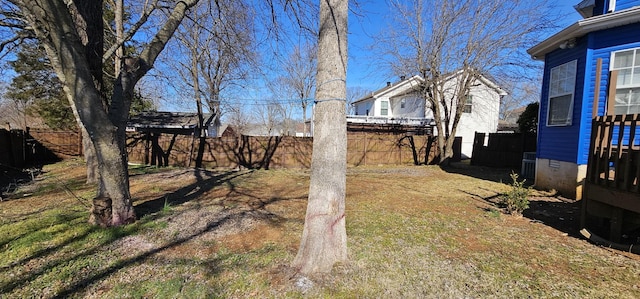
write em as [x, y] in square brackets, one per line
[502, 150]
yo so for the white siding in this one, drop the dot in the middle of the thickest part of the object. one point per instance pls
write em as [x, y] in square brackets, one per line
[413, 106]
[364, 108]
[483, 118]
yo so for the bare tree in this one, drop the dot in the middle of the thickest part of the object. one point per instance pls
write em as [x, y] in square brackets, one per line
[216, 45]
[237, 118]
[299, 77]
[73, 43]
[520, 94]
[461, 41]
[354, 93]
[14, 113]
[273, 117]
[324, 238]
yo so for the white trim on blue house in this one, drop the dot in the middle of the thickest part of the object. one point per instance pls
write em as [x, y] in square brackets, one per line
[628, 82]
[612, 6]
[583, 27]
[563, 87]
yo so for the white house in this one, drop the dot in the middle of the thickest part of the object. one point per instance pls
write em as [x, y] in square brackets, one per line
[401, 102]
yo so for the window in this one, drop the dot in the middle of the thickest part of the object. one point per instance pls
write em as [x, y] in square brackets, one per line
[625, 78]
[561, 89]
[612, 6]
[384, 108]
[402, 103]
[468, 104]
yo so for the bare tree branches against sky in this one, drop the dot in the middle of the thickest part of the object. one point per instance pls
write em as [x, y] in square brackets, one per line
[280, 26]
[366, 62]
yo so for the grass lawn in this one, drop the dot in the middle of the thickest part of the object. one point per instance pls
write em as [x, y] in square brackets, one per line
[413, 232]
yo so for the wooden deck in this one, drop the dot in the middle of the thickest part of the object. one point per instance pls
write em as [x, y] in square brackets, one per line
[612, 186]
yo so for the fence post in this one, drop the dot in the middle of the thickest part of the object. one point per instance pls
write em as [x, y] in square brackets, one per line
[366, 141]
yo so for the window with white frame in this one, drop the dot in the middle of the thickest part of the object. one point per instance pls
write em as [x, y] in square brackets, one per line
[612, 6]
[384, 108]
[626, 69]
[403, 103]
[468, 104]
[561, 88]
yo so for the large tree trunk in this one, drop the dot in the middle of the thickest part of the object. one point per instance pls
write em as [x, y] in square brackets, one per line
[54, 25]
[114, 182]
[92, 36]
[88, 151]
[90, 158]
[78, 46]
[324, 238]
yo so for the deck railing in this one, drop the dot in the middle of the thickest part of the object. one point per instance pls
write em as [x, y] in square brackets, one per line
[613, 175]
[614, 160]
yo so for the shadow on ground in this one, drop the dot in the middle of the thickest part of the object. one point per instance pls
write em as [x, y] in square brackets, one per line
[552, 210]
[47, 259]
[11, 178]
[500, 175]
[557, 212]
[205, 181]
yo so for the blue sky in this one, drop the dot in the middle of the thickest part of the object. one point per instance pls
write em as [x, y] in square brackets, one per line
[363, 30]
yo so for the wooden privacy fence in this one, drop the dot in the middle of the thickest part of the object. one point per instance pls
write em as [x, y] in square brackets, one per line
[278, 152]
[12, 148]
[366, 148]
[35, 146]
[65, 143]
[502, 149]
[18, 148]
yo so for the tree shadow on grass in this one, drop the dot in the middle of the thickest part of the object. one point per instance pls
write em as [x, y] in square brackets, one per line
[40, 268]
[552, 210]
[255, 208]
[39, 229]
[205, 181]
[499, 175]
[49, 259]
[556, 212]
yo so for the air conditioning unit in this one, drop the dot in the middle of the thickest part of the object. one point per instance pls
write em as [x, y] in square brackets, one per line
[528, 170]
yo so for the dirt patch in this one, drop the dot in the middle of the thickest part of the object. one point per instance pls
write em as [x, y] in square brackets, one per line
[252, 239]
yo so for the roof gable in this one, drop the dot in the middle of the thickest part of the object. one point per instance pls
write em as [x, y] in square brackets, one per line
[403, 86]
[410, 84]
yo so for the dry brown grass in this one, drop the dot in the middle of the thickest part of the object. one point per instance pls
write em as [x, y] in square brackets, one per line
[413, 232]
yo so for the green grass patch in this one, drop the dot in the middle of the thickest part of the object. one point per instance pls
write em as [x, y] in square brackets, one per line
[139, 169]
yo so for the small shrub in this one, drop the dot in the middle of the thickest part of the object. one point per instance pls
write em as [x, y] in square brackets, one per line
[167, 205]
[517, 199]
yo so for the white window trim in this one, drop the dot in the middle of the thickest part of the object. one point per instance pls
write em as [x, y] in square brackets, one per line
[569, 121]
[612, 66]
[612, 6]
[612, 61]
[388, 108]
[468, 104]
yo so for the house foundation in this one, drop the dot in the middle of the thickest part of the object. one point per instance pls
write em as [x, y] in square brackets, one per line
[564, 177]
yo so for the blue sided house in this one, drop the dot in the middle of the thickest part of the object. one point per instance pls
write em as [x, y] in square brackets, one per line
[592, 73]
